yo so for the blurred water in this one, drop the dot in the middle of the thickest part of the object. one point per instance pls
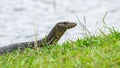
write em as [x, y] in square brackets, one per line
[18, 17]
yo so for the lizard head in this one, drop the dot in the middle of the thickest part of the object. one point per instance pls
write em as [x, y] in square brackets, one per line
[66, 25]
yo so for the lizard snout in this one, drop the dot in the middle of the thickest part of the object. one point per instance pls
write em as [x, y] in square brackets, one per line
[71, 25]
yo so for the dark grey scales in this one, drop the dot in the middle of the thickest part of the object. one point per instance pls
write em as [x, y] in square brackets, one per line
[54, 35]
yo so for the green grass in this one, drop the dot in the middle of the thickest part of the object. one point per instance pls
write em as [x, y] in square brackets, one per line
[102, 51]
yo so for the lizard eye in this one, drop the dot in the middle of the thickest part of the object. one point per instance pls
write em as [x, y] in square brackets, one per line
[65, 23]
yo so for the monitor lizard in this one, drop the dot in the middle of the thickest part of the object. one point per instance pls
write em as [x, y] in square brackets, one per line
[54, 36]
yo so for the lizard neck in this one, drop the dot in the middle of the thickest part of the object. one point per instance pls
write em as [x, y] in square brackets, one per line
[54, 35]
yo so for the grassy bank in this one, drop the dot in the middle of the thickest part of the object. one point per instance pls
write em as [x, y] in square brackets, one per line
[102, 51]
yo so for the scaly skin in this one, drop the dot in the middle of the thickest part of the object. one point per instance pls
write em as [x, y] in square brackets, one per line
[54, 36]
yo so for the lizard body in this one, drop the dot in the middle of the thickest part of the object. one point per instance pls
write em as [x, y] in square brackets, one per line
[54, 36]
